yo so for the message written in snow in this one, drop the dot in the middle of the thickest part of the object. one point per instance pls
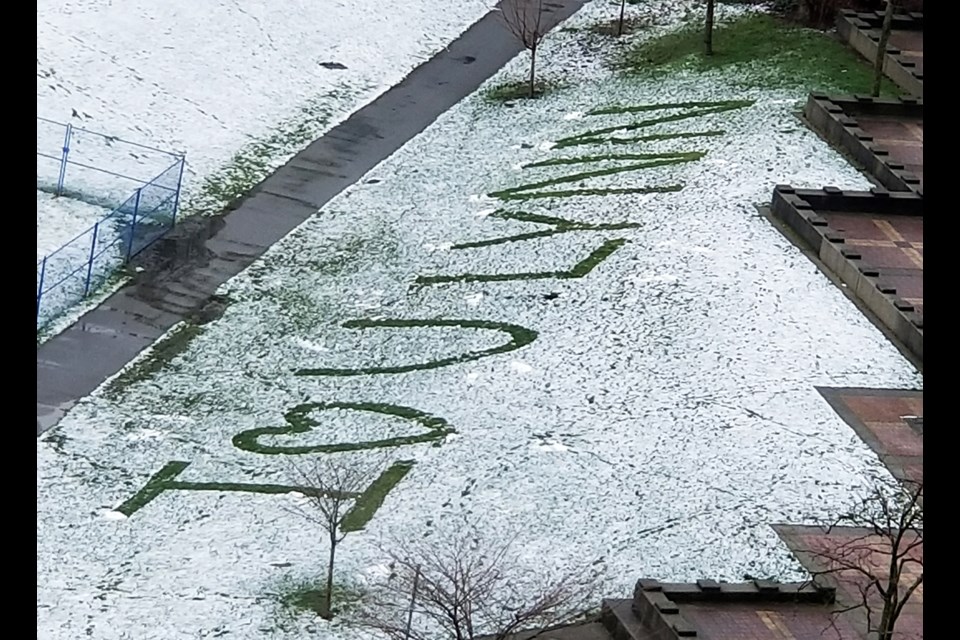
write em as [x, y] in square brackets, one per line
[430, 428]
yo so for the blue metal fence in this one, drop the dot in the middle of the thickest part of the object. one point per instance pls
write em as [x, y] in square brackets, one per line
[94, 168]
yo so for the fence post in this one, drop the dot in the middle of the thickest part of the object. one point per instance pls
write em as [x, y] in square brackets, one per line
[176, 200]
[133, 224]
[43, 273]
[93, 248]
[63, 160]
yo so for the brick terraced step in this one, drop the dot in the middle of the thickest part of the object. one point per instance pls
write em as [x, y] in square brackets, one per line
[872, 241]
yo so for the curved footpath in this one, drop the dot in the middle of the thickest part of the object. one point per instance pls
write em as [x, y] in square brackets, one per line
[203, 253]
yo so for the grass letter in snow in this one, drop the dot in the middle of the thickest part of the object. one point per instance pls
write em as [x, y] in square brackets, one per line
[560, 225]
[579, 270]
[363, 509]
[519, 337]
[689, 110]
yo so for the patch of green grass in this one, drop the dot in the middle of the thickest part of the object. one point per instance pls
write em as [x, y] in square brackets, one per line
[302, 308]
[301, 311]
[520, 90]
[767, 51]
[301, 595]
[162, 353]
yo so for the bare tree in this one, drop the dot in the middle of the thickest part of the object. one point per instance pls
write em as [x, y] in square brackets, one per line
[883, 562]
[460, 588]
[525, 20]
[708, 30]
[623, 6]
[882, 47]
[335, 483]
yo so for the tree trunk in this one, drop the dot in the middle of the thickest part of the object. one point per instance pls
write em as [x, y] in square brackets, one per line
[328, 595]
[885, 631]
[892, 596]
[533, 69]
[708, 30]
[623, 4]
[882, 48]
[888, 618]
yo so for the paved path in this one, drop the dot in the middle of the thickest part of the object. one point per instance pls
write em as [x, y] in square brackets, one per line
[910, 44]
[185, 269]
[901, 136]
[889, 421]
[892, 244]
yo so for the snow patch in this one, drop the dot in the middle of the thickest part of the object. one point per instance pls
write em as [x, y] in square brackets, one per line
[520, 367]
[551, 446]
[310, 345]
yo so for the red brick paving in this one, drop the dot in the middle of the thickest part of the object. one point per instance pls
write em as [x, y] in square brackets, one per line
[768, 621]
[870, 407]
[878, 418]
[811, 544]
[902, 137]
[892, 244]
[909, 285]
[863, 225]
[910, 44]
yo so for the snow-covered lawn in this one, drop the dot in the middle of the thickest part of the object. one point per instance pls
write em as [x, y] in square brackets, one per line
[67, 272]
[237, 86]
[60, 220]
[650, 407]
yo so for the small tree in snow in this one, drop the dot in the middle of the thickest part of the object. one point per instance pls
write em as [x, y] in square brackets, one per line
[336, 483]
[884, 563]
[623, 7]
[525, 20]
[708, 30]
[460, 588]
[882, 47]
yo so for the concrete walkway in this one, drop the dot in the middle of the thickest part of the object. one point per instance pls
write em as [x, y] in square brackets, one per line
[183, 271]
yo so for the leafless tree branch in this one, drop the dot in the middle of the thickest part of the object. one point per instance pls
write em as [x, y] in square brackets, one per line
[462, 587]
[881, 565]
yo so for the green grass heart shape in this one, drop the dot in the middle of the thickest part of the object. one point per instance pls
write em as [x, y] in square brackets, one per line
[299, 421]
